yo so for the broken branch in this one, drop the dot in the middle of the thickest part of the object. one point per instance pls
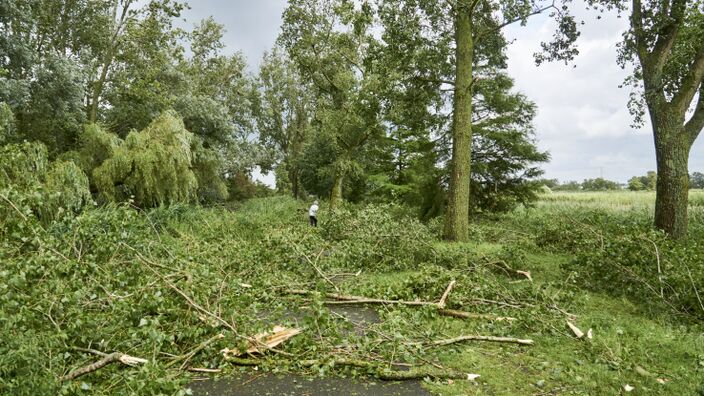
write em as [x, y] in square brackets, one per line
[475, 338]
[441, 303]
[107, 359]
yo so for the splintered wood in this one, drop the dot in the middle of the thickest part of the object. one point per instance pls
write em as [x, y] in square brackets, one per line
[262, 342]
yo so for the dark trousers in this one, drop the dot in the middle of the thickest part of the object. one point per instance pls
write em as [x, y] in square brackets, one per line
[313, 221]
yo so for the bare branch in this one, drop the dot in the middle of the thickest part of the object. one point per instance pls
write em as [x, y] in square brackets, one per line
[696, 123]
[691, 83]
[506, 23]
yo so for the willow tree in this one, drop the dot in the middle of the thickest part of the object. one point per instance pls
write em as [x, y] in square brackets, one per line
[665, 43]
[470, 29]
[329, 42]
[154, 166]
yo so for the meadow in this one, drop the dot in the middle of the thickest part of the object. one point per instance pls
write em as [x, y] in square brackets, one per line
[164, 285]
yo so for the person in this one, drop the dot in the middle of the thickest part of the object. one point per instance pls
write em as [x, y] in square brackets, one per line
[313, 214]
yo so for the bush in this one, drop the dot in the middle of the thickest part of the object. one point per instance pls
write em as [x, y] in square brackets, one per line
[378, 236]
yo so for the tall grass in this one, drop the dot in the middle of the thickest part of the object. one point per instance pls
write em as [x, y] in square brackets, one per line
[617, 200]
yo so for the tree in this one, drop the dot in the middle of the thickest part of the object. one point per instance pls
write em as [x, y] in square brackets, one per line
[329, 42]
[504, 153]
[599, 184]
[282, 113]
[696, 180]
[635, 184]
[473, 30]
[664, 44]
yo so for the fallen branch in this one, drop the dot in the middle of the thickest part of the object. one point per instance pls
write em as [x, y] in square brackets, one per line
[265, 341]
[107, 359]
[192, 303]
[192, 353]
[474, 338]
[657, 257]
[203, 370]
[470, 315]
[348, 299]
[441, 303]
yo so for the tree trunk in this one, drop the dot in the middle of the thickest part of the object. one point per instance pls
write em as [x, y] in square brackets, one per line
[97, 91]
[336, 193]
[293, 177]
[456, 222]
[672, 148]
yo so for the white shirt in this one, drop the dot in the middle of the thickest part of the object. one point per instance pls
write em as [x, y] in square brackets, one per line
[313, 211]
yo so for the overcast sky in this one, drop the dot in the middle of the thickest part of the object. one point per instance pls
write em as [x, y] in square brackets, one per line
[582, 116]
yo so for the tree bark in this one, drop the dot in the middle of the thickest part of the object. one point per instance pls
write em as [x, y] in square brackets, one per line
[295, 189]
[672, 148]
[336, 193]
[457, 220]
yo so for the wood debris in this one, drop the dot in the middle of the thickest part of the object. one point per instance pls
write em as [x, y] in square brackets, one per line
[107, 359]
[577, 332]
[262, 342]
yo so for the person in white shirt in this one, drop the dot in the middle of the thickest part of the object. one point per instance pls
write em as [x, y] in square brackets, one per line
[313, 214]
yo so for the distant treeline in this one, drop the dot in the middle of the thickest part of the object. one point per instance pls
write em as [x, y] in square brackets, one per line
[646, 182]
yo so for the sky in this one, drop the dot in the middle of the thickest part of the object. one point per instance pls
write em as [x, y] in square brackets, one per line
[582, 116]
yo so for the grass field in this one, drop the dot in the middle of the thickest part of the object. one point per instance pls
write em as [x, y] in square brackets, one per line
[617, 200]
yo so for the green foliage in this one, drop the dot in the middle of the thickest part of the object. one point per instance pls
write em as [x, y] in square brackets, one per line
[86, 282]
[154, 166]
[401, 240]
[599, 184]
[7, 123]
[55, 113]
[696, 180]
[616, 251]
[241, 187]
[647, 182]
[33, 188]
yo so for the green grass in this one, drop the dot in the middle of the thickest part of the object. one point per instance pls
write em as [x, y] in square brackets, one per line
[625, 341]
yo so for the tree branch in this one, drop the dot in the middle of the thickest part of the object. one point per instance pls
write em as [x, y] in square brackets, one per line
[517, 19]
[696, 123]
[668, 34]
[691, 83]
[637, 24]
